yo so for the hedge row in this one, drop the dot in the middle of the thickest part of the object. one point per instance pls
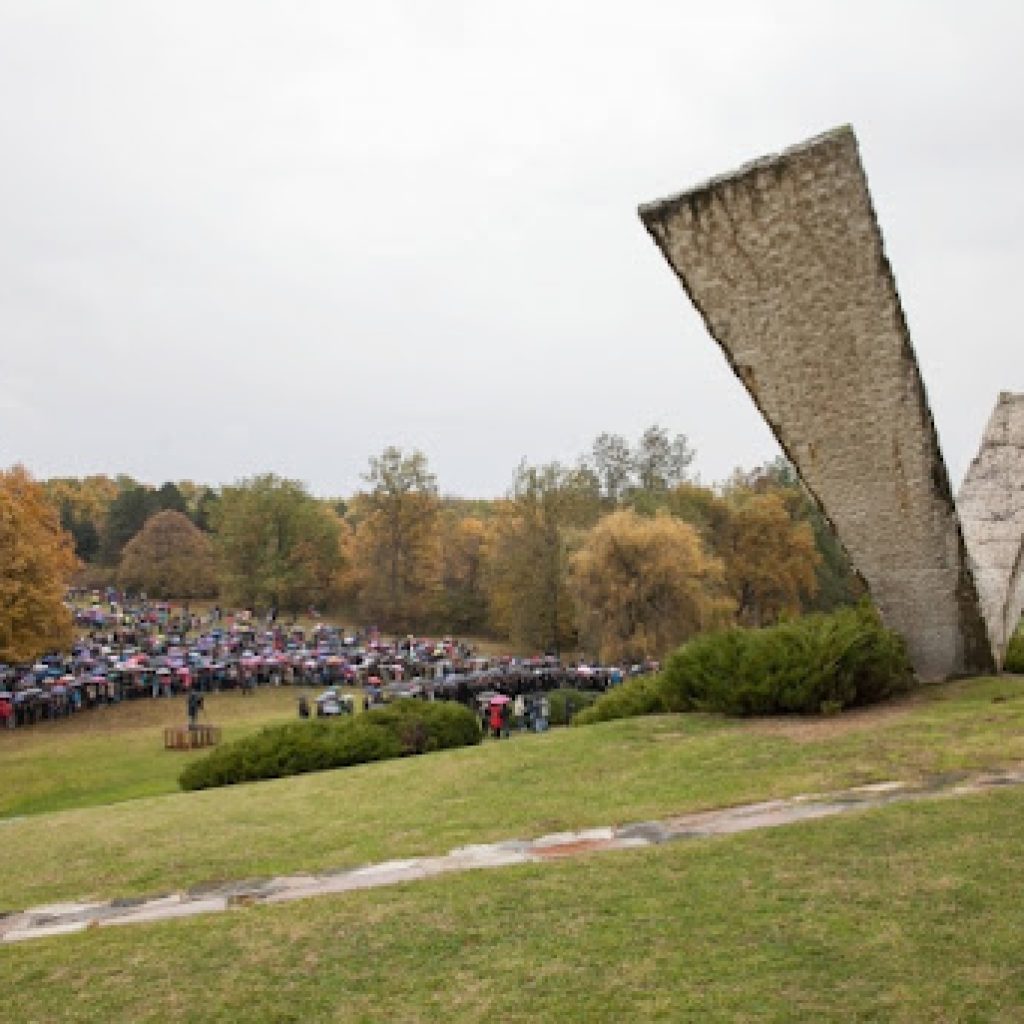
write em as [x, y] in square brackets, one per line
[1014, 661]
[818, 663]
[403, 728]
[641, 695]
[559, 701]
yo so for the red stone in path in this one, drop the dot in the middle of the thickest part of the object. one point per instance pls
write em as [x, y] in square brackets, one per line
[571, 849]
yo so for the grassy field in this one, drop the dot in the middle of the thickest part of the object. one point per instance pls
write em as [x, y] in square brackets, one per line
[908, 914]
[616, 772]
[116, 753]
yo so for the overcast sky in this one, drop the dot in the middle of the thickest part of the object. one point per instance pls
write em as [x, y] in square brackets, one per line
[239, 237]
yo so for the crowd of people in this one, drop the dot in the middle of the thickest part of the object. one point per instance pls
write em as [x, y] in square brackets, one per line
[131, 649]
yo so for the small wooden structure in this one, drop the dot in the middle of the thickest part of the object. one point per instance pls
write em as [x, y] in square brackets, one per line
[184, 737]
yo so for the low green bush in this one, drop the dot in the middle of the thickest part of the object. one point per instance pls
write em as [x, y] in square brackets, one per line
[423, 726]
[1014, 661]
[815, 663]
[812, 665]
[559, 700]
[639, 696]
[403, 728]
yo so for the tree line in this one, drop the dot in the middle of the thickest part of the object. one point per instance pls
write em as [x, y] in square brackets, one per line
[621, 554]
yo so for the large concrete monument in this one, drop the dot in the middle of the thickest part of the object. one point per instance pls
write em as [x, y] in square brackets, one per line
[785, 262]
[991, 506]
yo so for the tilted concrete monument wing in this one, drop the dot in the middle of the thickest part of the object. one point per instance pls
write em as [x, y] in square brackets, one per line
[784, 260]
[991, 506]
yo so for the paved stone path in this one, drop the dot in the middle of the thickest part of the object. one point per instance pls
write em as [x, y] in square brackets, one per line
[66, 918]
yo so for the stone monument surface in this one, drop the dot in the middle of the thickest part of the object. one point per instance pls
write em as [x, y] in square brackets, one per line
[991, 506]
[785, 262]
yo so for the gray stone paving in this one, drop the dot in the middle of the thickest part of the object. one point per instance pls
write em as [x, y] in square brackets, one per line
[66, 918]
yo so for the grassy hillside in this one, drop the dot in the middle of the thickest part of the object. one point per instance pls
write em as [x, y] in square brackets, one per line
[611, 773]
[907, 914]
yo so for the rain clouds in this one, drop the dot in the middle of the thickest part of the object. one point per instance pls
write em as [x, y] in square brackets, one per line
[244, 237]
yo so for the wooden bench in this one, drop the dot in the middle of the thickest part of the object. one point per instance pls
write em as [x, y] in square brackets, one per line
[183, 737]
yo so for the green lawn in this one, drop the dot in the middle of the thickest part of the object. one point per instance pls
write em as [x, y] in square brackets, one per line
[116, 753]
[611, 773]
[908, 914]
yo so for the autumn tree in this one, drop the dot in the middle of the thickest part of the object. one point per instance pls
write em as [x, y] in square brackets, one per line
[660, 461]
[700, 506]
[90, 496]
[168, 497]
[463, 600]
[36, 561]
[613, 464]
[838, 583]
[82, 505]
[169, 557]
[396, 540]
[130, 509]
[204, 509]
[83, 531]
[277, 546]
[348, 580]
[770, 559]
[645, 584]
[127, 515]
[528, 558]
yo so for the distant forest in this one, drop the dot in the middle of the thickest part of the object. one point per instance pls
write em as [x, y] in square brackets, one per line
[621, 554]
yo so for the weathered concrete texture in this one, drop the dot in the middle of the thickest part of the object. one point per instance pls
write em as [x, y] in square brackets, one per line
[991, 506]
[784, 260]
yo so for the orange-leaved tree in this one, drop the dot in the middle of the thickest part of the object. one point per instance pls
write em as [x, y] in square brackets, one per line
[169, 557]
[36, 560]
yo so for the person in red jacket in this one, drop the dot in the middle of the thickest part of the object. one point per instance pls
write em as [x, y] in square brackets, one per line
[495, 719]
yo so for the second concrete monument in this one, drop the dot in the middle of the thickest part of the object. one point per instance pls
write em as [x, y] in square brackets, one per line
[991, 507]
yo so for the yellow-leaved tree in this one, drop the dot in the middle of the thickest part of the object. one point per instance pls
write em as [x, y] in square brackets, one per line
[396, 546]
[36, 560]
[83, 506]
[645, 584]
[528, 552]
[770, 560]
[462, 606]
